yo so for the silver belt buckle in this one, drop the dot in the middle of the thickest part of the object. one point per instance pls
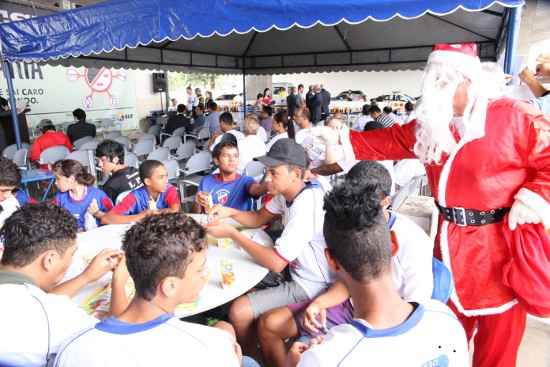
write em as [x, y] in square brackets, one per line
[463, 213]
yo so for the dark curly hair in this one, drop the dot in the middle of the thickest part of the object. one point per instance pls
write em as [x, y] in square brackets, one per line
[69, 167]
[356, 231]
[371, 173]
[10, 174]
[34, 229]
[110, 149]
[161, 246]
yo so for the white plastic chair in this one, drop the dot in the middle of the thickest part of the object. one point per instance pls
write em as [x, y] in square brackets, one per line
[112, 135]
[203, 134]
[10, 150]
[180, 131]
[53, 154]
[172, 143]
[185, 151]
[84, 157]
[80, 142]
[159, 154]
[20, 158]
[255, 169]
[131, 160]
[124, 141]
[144, 147]
[154, 130]
[147, 136]
[89, 145]
[173, 168]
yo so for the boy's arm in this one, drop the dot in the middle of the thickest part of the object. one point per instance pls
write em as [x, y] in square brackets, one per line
[119, 299]
[257, 189]
[250, 219]
[114, 218]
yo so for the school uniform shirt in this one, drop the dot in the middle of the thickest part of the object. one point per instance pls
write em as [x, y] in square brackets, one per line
[275, 139]
[233, 194]
[138, 200]
[412, 264]
[32, 319]
[431, 336]
[236, 133]
[262, 134]
[249, 148]
[302, 244]
[78, 208]
[8, 206]
[122, 180]
[23, 198]
[165, 341]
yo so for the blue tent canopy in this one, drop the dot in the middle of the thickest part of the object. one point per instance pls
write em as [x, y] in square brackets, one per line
[256, 35]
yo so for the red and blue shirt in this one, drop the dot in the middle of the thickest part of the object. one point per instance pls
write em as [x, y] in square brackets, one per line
[23, 198]
[78, 208]
[138, 200]
[233, 194]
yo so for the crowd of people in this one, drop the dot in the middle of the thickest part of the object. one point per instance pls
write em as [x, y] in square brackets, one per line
[356, 281]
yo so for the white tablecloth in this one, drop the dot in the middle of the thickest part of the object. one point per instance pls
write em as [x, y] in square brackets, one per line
[95, 297]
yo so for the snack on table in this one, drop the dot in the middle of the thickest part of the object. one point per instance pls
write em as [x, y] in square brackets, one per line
[209, 202]
[228, 276]
[224, 243]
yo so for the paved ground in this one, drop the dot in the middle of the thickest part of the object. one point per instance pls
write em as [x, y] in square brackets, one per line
[535, 348]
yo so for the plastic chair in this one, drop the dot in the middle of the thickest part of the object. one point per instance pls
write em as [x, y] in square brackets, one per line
[80, 142]
[112, 135]
[53, 154]
[10, 150]
[144, 147]
[20, 158]
[84, 157]
[172, 143]
[443, 281]
[131, 160]
[124, 141]
[89, 145]
[154, 130]
[203, 134]
[147, 136]
[173, 168]
[185, 151]
[180, 131]
[159, 154]
[255, 169]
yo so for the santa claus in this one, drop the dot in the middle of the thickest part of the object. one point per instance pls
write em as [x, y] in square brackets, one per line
[488, 165]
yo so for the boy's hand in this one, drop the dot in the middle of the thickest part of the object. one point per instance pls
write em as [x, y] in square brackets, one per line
[202, 199]
[315, 318]
[120, 272]
[297, 349]
[220, 230]
[219, 212]
[93, 208]
[102, 263]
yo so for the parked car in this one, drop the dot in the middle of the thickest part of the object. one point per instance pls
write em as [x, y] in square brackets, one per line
[350, 95]
[396, 100]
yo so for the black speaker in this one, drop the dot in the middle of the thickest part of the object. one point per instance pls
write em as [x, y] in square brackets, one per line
[159, 82]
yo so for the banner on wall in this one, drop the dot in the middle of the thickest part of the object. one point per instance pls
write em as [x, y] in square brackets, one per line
[107, 95]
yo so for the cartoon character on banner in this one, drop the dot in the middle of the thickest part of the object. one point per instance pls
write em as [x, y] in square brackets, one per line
[98, 80]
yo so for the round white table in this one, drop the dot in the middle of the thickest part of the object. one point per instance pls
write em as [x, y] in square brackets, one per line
[95, 297]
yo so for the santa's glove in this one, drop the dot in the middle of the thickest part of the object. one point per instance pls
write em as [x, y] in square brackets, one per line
[345, 141]
[326, 134]
[522, 214]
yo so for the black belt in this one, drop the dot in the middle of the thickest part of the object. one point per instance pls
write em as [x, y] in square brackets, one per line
[471, 217]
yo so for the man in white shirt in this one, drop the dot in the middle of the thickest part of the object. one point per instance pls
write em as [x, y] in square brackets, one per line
[301, 245]
[386, 330]
[314, 146]
[166, 258]
[192, 101]
[35, 313]
[252, 145]
[227, 126]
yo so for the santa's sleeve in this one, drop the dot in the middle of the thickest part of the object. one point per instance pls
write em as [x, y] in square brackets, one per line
[392, 143]
[535, 193]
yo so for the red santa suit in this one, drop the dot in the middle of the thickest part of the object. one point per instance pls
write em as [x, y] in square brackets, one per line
[510, 161]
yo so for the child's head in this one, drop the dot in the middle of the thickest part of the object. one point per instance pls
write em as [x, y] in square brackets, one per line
[226, 122]
[282, 124]
[109, 154]
[154, 176]
[9, 179]
[251, 125]
[69, 174]
[373, 174]
[181, 108]
[266, 112]
[335, 123]
[166, 258]
[356, 233]
[226, 154]
[40, 238]
[286, 163]
[199, 110]
[302, 116]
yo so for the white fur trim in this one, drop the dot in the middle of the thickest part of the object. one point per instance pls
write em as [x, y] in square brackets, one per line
[469, 66]
[536, 203]
[444, 244]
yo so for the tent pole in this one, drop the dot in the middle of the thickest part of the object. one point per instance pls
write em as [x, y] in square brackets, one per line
[6, 68]
[244, 93]
[512, 38]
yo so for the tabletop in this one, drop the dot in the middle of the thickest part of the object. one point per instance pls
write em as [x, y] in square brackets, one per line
[36, 175]
[223, 253]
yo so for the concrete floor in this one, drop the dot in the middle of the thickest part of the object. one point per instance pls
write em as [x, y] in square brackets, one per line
[535, 347]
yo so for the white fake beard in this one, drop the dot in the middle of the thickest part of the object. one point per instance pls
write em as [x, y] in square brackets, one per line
[435, 112]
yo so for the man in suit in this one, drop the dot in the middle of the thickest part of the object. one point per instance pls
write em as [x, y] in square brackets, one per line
[81, 128]
[315, 102]
[292, 101]
[178, 120]
[325, 107]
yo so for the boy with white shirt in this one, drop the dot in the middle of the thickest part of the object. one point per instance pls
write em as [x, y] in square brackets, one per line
[301, 244]
[227, 126]
[166, 258]
[35, 313]
[9, 182]
[411, 273]
[386, 330]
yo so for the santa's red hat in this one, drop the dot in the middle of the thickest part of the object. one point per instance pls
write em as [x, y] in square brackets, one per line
[460, 56]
